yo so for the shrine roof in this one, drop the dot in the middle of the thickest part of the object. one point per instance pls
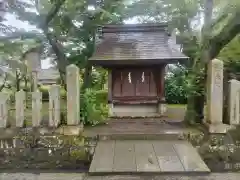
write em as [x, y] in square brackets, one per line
[148, 43]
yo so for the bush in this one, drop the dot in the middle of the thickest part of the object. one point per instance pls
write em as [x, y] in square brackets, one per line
[176, 86]
[94, 107]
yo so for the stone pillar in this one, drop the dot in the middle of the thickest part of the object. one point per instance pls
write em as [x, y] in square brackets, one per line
[36, 108]
[215, 97]
[234, 102]
[54, 105]
[20, 104]
[3, 110]
[73, 95]
[34, 78]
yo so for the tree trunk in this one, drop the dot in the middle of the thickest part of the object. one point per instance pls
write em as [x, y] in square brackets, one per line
[61, 59]
[196, 113]
[196, 98]
[87, 77]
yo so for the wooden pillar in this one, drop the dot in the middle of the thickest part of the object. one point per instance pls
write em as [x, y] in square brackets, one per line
[110, 86]
[162, 83]
[161, 90]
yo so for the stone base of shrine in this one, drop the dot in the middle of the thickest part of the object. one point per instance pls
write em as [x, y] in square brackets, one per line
[136, 110]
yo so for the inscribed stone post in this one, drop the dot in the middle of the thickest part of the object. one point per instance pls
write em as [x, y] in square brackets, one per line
[3, 110]
[36, 108]
[234, 102]
[20, 98]
[215, 97]
[54, 105]
[73, 95]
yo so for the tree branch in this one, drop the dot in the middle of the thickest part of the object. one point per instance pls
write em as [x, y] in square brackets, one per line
[230, 30]
[53, 11]
[4, 83]
[56, 46]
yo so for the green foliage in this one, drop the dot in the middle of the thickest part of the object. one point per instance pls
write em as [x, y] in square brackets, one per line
[94, 107]
[176, 86]
[45, 93]
[231, 55]
[99, 78]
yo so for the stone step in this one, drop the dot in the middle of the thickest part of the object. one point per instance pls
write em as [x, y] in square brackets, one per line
[141, 136]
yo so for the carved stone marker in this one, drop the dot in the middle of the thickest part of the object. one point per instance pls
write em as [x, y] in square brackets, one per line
[36, 108]
[3, 109]
[20, 98]
[73, 95]
[215, 97]
[234, 102]
[54, 105]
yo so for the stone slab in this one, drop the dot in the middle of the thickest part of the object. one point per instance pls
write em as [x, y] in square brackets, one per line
[124, 157]
[103, 157]
[146, 159]
[167, 157]
[189, 157]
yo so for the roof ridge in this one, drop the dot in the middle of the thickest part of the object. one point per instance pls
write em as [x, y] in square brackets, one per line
[145, 27]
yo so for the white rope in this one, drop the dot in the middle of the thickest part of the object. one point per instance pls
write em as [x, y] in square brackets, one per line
[129, 77]
[143, 77]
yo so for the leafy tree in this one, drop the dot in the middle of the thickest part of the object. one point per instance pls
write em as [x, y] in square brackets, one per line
[68, 26]
[68, 31]
[201, 46]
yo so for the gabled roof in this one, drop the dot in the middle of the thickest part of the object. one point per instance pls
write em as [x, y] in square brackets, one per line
[129, 44]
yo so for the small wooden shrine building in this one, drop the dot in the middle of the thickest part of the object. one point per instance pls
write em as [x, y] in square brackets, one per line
[136, 56]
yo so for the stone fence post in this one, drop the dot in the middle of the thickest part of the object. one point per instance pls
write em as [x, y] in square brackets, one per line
[54, 105]
[3, 109]
[36, 108]
[234, 102]
[73, 95]
[20, 104]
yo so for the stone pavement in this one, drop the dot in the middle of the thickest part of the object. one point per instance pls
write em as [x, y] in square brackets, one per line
[80, 176]
[145, 156]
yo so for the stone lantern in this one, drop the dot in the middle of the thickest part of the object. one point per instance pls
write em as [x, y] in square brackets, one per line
[32, 58]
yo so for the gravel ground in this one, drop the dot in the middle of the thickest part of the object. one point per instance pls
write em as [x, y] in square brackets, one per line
[80, 176]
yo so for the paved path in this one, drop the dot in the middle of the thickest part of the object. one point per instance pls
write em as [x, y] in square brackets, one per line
[72, 176]
[145, 156]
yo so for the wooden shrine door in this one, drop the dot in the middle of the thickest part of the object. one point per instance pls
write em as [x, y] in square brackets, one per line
[134, 84]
